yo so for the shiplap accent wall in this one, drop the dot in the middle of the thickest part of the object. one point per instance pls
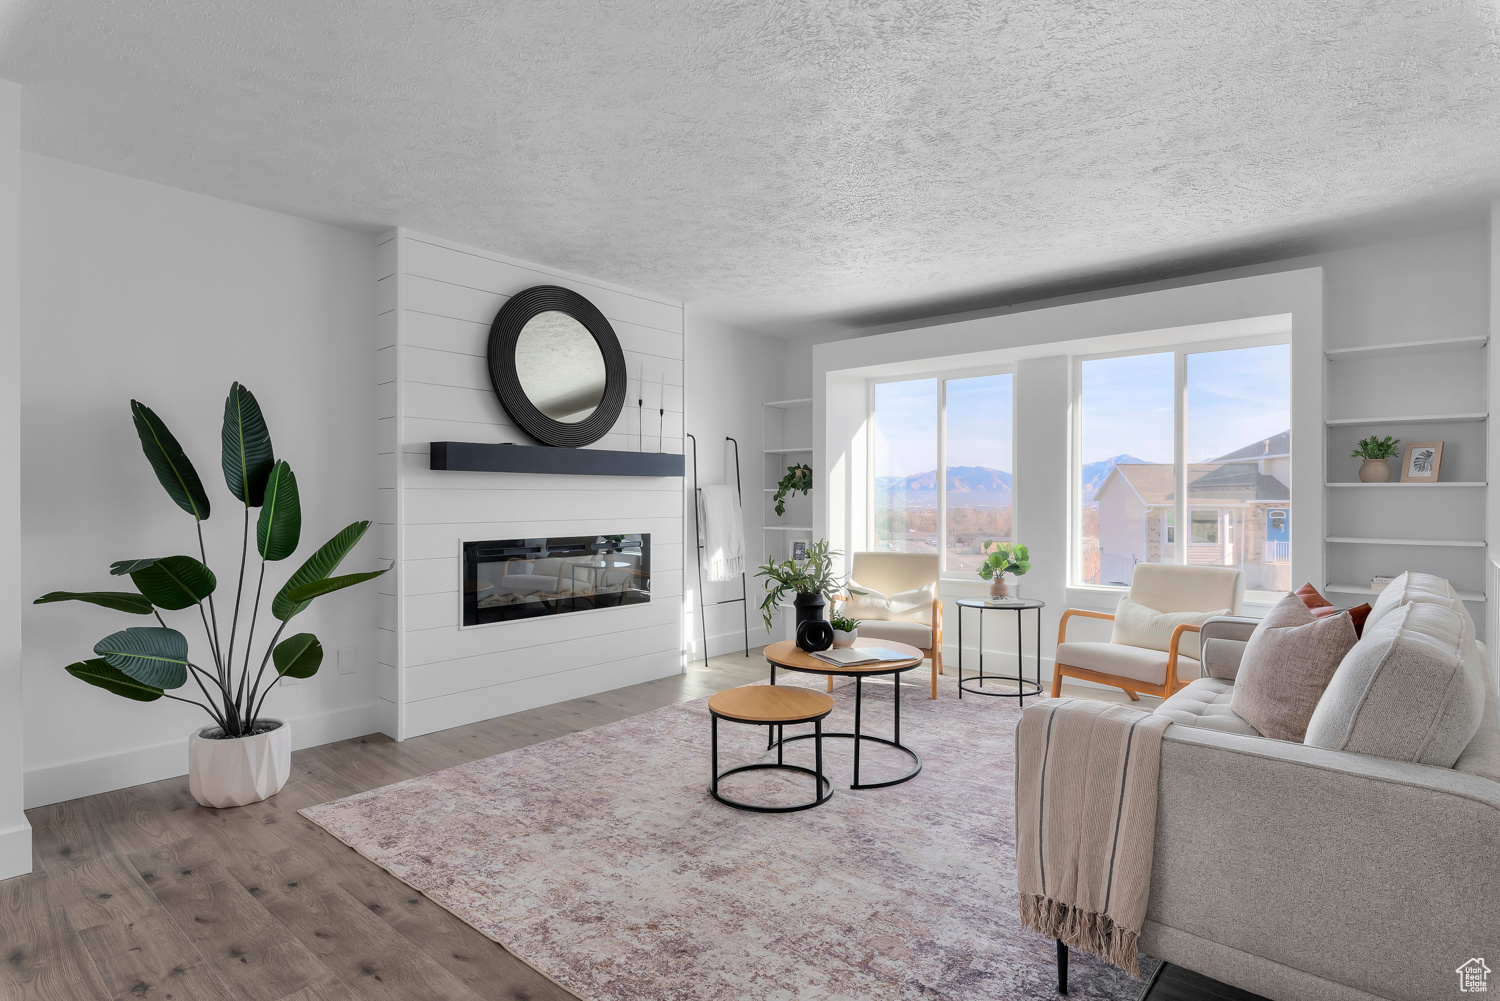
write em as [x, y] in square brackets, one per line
[436, 301]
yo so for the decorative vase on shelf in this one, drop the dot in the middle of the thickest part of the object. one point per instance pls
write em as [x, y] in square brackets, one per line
[999, 586]
[1375, 471]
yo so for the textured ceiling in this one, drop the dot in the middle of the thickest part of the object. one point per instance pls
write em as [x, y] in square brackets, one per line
[774, 161]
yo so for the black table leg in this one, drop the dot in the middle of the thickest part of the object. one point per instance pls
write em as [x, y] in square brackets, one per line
[960, 651]
[859, 691]
[1038, 652]
[1020, 663]
[771, 730]
[713, 762]
[1062, 967]
[981, 649]
[897, 678]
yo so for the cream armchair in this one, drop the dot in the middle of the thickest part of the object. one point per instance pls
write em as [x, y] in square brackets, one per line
[1162, 587]
[892, 574]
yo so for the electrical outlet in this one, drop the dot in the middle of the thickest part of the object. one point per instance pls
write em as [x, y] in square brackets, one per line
[348, 659]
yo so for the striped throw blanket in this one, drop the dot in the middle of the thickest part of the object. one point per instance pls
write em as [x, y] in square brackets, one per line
[1086, 823]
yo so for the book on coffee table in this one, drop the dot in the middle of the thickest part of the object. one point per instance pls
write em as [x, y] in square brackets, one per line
[849, 656]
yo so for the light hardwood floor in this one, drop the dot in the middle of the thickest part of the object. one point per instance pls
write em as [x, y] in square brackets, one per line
[142, 894]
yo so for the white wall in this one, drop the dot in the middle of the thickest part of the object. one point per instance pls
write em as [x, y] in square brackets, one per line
[730, 375]
[15, 833]
[436, 302]
[135, 290]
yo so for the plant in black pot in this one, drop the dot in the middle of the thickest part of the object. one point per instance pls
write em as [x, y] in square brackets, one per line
[244, 756]
[812, 580]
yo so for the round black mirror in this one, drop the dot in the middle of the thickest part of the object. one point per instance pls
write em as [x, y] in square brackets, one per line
[557, 366]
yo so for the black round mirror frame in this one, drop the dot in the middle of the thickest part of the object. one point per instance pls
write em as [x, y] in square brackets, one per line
[506, 331]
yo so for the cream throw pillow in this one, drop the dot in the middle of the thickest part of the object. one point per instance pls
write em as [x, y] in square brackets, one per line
[908, 606]
[1288, 662]
[1142, 626]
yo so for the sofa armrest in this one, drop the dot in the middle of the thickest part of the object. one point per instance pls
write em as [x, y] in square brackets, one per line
[1223, 640]
[1359, 870]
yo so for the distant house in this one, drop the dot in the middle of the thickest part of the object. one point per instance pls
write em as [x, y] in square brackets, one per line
[1239, 515]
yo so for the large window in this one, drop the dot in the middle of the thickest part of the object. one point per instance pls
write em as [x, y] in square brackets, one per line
[962, 425]
[1222, 465]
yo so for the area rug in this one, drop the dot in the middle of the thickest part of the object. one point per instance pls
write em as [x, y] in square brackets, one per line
[600, 859]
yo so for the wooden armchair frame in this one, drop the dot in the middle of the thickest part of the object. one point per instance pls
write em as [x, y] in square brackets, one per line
[933, 653]
[1130, 686]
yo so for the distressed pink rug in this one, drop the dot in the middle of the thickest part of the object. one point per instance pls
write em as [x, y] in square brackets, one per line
[600, 859]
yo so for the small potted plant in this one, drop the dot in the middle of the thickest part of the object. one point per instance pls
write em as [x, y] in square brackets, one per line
[797, 479]
[811, 580]
[1377, 453]
[1003, 558]
[845, 629]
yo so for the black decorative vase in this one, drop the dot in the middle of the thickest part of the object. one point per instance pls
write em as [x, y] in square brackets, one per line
[814, 635]
[809, 607]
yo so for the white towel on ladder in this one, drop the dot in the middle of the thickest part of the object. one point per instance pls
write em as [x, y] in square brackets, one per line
[722, 528]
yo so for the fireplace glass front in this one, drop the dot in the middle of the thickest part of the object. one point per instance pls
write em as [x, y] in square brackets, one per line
[522, 578]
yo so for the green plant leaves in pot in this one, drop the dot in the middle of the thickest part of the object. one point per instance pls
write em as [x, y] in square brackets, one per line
[101, 675]
[119, 601]
[247, 454]
[150, 654]
[313, 579]
[279, 527]
[171, 582]
[176, 473]
[298, 656]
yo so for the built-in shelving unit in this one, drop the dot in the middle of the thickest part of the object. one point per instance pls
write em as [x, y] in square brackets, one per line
[788, 437]
[1435, 389]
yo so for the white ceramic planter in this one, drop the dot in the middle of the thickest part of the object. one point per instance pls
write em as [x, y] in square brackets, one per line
[240, 771]
[843, 637]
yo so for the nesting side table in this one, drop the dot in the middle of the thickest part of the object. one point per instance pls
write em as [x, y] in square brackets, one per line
[1024, 686]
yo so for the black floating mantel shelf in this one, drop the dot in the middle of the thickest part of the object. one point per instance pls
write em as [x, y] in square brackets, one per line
[483, 457]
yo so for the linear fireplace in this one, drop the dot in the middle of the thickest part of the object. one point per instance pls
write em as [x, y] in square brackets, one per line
[523, 578]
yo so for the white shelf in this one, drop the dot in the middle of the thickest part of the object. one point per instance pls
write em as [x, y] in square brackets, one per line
[1361, 541]
[1358, 589]
[1408, 348]
[786, 451]
[1415, 419]
[789, 404]
[1419, 486]
[788, 528]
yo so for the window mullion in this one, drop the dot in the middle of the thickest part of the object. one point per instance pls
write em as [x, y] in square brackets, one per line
[1179, 448]
[942, 474]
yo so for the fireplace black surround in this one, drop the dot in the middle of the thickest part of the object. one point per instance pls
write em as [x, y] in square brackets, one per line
[506, 579]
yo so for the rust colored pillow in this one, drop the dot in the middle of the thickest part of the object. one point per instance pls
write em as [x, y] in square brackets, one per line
[1321, 606]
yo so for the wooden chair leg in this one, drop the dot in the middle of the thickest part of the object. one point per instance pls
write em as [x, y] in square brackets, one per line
[935, 669]
[830, 682]
[1133, 696]
[1057, 677]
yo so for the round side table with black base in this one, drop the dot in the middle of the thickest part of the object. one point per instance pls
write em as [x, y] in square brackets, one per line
[1024, 686]
[763, 705]
[786, 655]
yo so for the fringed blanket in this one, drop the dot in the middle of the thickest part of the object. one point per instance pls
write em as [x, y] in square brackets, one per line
[1086, 823]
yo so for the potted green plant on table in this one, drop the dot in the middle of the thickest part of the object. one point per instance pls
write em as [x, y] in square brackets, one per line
[845, 629]
[812, 580]
[1377, 453]
[1003, 558]
[244, 756]
[797, 479]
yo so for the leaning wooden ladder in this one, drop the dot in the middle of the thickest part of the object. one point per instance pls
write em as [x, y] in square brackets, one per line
[743, 599]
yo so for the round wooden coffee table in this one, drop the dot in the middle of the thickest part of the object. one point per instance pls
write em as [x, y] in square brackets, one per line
[771, 706]
[789, 656]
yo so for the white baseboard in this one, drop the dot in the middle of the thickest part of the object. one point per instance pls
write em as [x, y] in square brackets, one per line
[15, 850]
[730, 641]
[72, 779]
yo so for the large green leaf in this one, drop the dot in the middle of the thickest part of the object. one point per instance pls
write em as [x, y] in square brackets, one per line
[307, 592]
[150, 654]
[99, 674]
[280, 525]
[120, 601]
[172, 582]
[298, 656]
[248, 456]
[172, 467]
[318, 566]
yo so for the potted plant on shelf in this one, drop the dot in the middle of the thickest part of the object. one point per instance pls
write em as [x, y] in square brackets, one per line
[811, 580]
[797, 479]
[845, 629]
[1003, 558]
[243, 757]
[1377, 453]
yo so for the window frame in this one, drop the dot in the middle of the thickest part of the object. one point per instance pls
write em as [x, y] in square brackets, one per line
[1180, 351]
[942, 377]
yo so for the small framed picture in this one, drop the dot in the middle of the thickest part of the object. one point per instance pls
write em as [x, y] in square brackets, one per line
[799, 551]
[1421, 462]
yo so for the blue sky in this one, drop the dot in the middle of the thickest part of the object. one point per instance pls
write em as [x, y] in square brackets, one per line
[1235, 397]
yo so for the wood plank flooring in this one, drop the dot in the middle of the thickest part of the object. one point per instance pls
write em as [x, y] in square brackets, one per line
[142, 894]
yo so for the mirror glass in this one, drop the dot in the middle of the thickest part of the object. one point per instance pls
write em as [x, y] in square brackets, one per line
[560, 366]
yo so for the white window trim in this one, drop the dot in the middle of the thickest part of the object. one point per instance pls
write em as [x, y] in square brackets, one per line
[1180, 352]
[942, 377]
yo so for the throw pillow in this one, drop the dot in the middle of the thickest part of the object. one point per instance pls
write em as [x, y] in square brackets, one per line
[1143, 626]
[1321, 606]
[1288, 662]
[907, 606]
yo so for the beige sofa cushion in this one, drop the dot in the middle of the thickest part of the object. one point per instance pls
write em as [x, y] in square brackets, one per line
[1411, 587]
[913, 633]
[908, 606]
[1206, 704]
[1138, 625]
[1412, 688]
[1134, 662]
[1288, 662]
